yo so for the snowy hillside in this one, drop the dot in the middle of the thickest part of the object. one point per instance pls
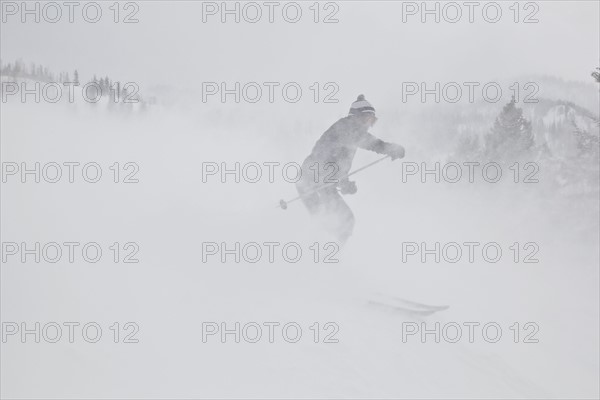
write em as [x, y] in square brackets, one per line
[43, 87]
[171, 292]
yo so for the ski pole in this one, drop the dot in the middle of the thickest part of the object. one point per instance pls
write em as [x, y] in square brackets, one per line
[284, 204]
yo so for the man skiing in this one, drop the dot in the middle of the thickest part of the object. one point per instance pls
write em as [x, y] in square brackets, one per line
[329, 164]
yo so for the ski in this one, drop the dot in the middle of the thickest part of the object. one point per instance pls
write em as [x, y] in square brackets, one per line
[406, 306]
[420, 305]
[402, 310]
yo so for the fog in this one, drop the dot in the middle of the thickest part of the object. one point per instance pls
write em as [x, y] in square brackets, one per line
[173, 209]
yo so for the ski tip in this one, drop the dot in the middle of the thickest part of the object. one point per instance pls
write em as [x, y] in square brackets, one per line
[404, 302]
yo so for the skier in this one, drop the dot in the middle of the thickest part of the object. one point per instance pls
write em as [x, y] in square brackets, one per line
[330, 162]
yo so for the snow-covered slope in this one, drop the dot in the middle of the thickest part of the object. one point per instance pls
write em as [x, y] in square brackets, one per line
[172, 295]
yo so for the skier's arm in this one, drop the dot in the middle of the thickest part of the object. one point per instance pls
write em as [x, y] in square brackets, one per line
[371, 143]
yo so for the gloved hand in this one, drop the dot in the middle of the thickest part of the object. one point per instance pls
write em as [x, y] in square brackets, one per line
[348, 187]
[395, 151]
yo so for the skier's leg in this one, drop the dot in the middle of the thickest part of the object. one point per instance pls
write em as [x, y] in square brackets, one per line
[340, 215]
[311, 201]
[327, 204]
[305, 185]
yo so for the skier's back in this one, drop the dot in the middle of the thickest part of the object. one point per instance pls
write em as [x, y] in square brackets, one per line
[330, 161]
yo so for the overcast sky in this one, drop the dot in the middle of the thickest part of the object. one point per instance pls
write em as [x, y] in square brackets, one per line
[369, 46]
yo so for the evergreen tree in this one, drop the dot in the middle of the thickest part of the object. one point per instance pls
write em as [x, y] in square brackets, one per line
[468, 147]
[18, 68]
[511, 137]
[7, 70]
[587, 143]
[596, 75]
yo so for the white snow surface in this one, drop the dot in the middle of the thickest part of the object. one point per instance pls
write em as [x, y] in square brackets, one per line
[170, 293]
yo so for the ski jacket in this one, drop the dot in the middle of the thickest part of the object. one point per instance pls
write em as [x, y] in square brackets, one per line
[338, 146]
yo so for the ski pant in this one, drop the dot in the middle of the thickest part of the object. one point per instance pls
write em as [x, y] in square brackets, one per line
[327, 204]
